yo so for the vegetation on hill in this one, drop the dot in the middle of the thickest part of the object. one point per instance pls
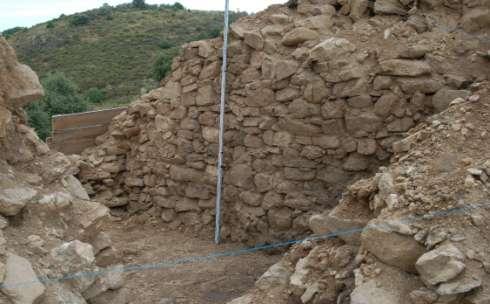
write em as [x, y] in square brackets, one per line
[119, 51]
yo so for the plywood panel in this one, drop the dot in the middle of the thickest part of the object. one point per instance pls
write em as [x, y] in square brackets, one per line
[85, 119]
[73, 133]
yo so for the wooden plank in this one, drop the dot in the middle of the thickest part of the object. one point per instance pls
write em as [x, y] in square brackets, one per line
[85, 119]
[60, 136]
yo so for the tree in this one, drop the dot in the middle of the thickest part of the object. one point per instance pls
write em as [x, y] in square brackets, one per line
[10, 32]
[178, 6]
[39, 119]
[139, 4]
[79, 20]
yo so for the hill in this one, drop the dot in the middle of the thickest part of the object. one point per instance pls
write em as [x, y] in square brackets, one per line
[112, 48]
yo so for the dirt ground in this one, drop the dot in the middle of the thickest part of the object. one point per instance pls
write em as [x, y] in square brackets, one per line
[210, 281]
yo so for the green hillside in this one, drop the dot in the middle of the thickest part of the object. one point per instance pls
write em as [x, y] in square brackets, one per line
[113, 49]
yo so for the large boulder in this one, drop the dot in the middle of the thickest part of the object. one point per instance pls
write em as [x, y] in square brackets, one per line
[390, 247]
[21, 284]
[391, 286]
[441, 264]
[12, 200]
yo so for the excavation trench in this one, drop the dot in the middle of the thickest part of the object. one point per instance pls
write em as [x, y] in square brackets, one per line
[179, 266]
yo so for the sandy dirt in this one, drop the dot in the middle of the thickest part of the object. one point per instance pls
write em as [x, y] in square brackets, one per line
[211, 281]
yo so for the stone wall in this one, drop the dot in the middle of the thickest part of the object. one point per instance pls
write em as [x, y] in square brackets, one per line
[317, 96]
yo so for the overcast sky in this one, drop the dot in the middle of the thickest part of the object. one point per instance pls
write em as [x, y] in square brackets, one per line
[30, 12]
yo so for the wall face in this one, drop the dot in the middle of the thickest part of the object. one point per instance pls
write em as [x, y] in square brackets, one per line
[315, 101]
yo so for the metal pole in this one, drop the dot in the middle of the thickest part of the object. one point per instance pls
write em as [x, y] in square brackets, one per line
[219, 183]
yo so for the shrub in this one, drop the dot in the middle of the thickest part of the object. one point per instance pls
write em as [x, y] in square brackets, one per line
[79, 20]
[95, 95]
[165, 44]
[39, 119]
[50, 24]
[10, 32]
[163, 64]
[61, 97]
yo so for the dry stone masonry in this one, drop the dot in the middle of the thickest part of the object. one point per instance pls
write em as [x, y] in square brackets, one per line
[318, 94]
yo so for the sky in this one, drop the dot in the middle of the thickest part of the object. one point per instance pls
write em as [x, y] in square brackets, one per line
[30, 12]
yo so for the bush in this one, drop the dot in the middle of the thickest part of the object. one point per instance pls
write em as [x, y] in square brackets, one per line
[95, 95]
[165, 44]
[10, 32]
[61, 97]
[39, 119]
[163, 64]
[51, 24]
[79, 20]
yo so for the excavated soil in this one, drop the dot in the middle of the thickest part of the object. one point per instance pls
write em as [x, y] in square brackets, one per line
[207, 281]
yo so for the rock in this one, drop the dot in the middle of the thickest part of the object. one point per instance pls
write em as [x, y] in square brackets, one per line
[391, 286]
[111, 279]
[277, 275]
[254, 40]
[331, 48]
[75, 187]
[26, 87]
[280, 219]
[59, 293]
[100, 242]
[358, 8]
[298, 36]
[444, 96]
[12, 200]
[362, 121]
[441, 264]
[423, 296]
[284, 69]
[240, 176]
[475, 19]
[348, 229]
[379, 238]
[206, 96]
[404, 67]
[356, 162]
[167, 301]
[74, 255]
[5, 119]
[246, 299]
[89, 214]
[21, 284]
[391, 7]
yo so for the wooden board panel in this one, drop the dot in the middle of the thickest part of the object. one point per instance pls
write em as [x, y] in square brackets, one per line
[85, 119]
[73, 133]
[67, 134]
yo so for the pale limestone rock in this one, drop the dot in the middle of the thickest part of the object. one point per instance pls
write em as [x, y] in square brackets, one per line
[21, 284]
[441, 264]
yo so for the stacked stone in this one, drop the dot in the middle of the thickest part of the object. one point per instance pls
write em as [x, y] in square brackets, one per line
[315, 102]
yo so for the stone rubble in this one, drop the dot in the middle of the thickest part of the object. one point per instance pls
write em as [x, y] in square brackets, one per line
[45, 211]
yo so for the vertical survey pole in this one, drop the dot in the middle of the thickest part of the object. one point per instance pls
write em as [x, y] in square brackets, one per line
[219, 182]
